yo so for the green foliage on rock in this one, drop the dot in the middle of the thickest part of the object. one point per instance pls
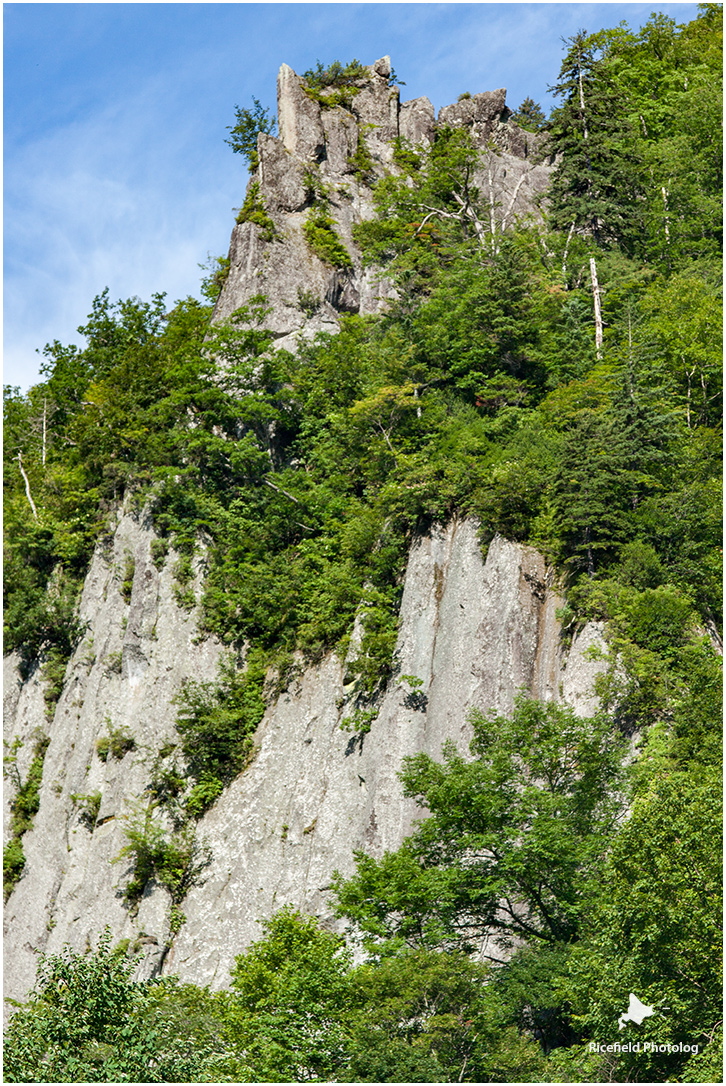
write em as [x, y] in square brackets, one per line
[24, 806]
[89, 806]
[340, 81]
[175, 859]
[320, 233]
[253, 210]
[216, 722]
[117, 744]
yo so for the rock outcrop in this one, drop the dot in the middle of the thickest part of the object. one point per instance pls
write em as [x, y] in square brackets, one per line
[475, 631]
[316, 151]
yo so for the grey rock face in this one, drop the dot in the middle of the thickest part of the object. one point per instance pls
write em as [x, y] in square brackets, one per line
[417, 121]
[341, 140]
[124, 675]
[481, 112]
[281, 176]
[298, 118]
[475, 631]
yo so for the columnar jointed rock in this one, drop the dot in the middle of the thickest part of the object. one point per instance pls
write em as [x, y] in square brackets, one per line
[318, 149]
[475, 632]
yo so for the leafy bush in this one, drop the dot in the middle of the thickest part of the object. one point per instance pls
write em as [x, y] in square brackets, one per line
[176, 860]
[336, 74]
[54, 673]
[343, 79]
[23, 809]
[320, 233]
[216, 722]
[89, 806]
[183, 583]
[213, 283]
[26, 801]
[159, 551]
[13, 864]
[117, 743]
[253, 210]
[361, 161]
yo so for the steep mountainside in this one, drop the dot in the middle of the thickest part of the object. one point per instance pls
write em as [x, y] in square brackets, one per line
[475, 633]
[364, 676]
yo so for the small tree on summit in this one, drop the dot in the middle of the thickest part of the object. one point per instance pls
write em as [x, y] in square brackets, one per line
[530, 116]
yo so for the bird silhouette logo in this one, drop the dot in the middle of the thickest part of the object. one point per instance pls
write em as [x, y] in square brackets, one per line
[636, 1012]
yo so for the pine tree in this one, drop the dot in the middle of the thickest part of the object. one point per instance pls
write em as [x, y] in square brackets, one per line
[595, 186]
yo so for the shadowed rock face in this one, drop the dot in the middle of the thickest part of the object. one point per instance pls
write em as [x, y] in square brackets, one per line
[319, 141]
[476, 631]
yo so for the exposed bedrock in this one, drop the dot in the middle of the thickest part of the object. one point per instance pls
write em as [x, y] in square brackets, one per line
[316, 152]
[475, 631]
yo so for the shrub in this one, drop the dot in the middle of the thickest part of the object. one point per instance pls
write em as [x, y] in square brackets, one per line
[24, 805]
[113, 662]
[183, 577]
[89, 805]
[361, 161]
[23, 809]
[336, 74]
[54, 673]
[13, 864]
[117, 743]
[320, 234]
[128, 577]
[250, 122]
[212, 284]
[253, 210]
[308, 301]
[176, 859]
[216, 722]
[159, 550]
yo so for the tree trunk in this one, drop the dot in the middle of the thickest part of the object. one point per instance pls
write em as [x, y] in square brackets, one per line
[26, 480]
[597, 307]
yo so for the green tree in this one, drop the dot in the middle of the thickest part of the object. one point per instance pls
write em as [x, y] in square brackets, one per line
[655, 930]
[85, 1022]
[530, 115]
[510, 841]
[247, 127]
[288, 996]
[595, 186]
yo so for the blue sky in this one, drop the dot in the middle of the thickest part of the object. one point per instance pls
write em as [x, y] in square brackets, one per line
[116, 171]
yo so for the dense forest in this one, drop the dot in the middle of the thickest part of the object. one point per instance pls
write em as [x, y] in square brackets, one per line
[558, 380]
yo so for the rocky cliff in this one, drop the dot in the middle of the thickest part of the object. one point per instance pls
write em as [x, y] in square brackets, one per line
[319, 152]
[473, 630]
